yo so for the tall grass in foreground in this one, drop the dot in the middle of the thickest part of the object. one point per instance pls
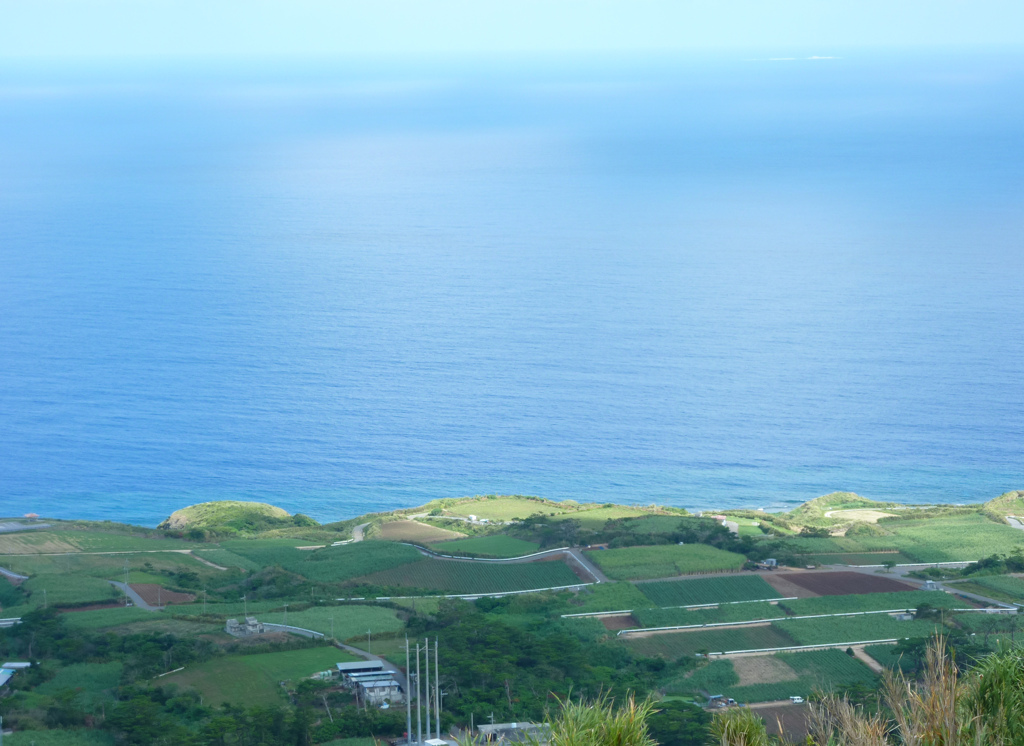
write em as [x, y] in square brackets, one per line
[984, 707]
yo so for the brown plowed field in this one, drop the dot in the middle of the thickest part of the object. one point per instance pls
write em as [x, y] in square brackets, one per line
[615, 623]
[781, 582]
[845, 583]
[154, 595]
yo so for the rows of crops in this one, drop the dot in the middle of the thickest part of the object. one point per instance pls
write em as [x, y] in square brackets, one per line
[609, 597]
[69, 590]
[864, 558]
[797, 674]
[723, 613]
[638, 563]
[226, 558]
[673, 645]
[709, 590]
[871, 602]
[328, 565]
[453, 576]
[496, 545]
[828, 630]
[1009, 587]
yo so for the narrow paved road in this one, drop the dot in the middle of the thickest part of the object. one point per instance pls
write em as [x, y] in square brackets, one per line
[135, 597]
[357, 531]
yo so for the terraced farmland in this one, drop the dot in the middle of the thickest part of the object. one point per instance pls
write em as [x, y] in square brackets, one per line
[830, 630]
[673, 645]
[872, 602]
[640, 563]
[724, 613]
[453, 576]
[488, 546]
[330, 564]
[781, 675]
[708, 590]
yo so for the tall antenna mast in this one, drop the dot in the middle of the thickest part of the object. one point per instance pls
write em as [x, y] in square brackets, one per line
[408, 689]
[437, 694]
[419, 703]
[426, 678]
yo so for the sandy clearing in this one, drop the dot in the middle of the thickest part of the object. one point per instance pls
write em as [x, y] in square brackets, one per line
[765, 669]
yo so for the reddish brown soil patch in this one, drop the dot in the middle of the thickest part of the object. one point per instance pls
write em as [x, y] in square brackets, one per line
[155, 595]
[845, 583]
[623, 621]
[91, 607]
[782, 583]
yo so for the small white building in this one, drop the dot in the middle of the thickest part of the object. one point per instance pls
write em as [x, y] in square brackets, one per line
[248, 628]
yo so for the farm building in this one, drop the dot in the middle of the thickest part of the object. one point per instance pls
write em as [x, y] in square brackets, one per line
[370, 682]
[345, 669]
[248, 628]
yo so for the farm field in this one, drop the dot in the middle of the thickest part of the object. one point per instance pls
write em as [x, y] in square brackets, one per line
[331, 564]
[872, 602]
[641, 563]
[654, 524]
[842, 583]
[254, 679]
[723, 613]
[69, 590]
[453, 576]
[488, 546]
[595, 518]
[1009, 588]
[672, 645]
[34, 542]
[99, 618]
[106, 566]
[226, 558]
[886, 655]
[779, 676]
[608, 597]
[414, 531]
[725, 589]
[349, 619]
[507, 508]
[865, 558]
[830, 630]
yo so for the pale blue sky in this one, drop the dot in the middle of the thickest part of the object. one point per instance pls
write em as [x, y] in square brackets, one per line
[94, 28]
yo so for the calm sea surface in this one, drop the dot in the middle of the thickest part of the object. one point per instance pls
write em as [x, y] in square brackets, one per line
[354, 287]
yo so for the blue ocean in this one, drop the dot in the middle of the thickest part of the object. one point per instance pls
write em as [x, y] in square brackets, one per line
[353, 286]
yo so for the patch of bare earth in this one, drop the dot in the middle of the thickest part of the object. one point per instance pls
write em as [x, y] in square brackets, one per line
[615, 623]
[780, 581]
[156, 595]
[845, 583]
[416, 531]
[762, 669]
[787, 720]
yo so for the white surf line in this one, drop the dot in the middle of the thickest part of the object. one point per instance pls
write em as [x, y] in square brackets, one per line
[637, 630]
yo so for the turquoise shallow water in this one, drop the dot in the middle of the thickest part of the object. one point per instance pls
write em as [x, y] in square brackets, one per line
[699, 282]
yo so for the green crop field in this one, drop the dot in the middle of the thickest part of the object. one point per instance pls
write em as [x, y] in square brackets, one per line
[331, 564]
[709, 590]
[595, 518]
[505, 508]
[93, 683]
[226, 558]
[254, 679]
[349, 619]
[98, 541]
[63, 590]
[673, 645]
[654, 524]
[107, 566]
[608, 597]
[872, 602]
[886, 655]
[865, 558]
[799, 674]
[100, 618]
[59, 738]
[453, 576]
[488, 546]
[639, 563]
[852, 629]
[724, 613]
[1009, 588]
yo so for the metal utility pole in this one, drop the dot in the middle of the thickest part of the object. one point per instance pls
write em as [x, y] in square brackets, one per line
[368, 642]
[44, 598]
[286, 615]
[437, 694]
[426, 679]
[245, 604]
[126, 582]
[419, 703]
[408, 690]
[332, 632]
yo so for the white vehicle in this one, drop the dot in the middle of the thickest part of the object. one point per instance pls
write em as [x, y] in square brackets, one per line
[797, 700]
